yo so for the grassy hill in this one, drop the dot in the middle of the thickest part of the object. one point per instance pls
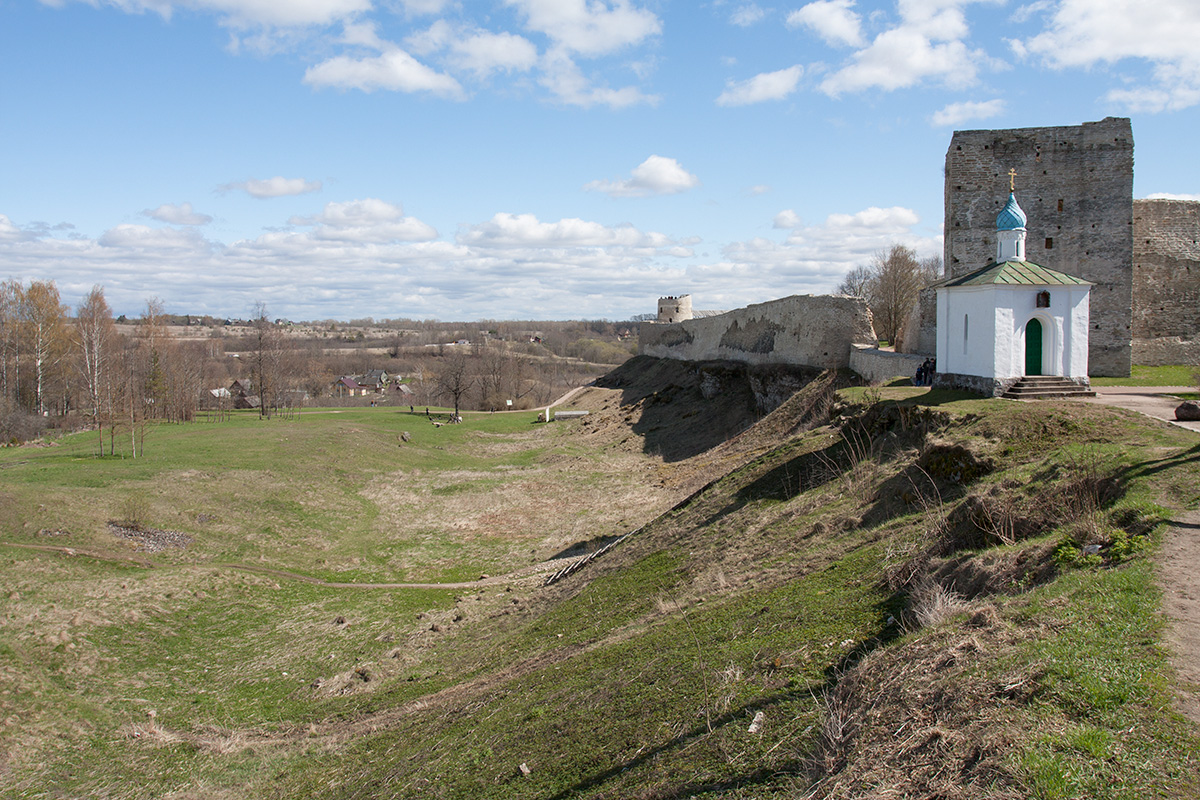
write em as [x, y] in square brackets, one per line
[889, 592]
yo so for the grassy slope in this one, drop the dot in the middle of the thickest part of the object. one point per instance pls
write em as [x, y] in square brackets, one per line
[786, 588]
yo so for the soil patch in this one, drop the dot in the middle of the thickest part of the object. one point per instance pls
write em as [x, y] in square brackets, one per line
[150, 540]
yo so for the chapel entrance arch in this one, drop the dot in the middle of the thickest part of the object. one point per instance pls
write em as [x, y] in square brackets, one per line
[1033, 347]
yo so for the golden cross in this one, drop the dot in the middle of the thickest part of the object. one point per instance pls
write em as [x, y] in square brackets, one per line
[1012, 180]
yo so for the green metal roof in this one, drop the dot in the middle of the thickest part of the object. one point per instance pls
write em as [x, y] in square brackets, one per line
[1014, 273]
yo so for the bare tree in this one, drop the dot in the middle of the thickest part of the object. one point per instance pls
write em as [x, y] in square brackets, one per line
[266, 357]
[890, 286]
[857, 281]
[454, 378]
[44, 321]
[10, 341]
[94, 336]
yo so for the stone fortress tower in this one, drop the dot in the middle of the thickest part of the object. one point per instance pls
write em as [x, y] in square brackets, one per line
[675, 309]
[1077, 187]
[1143, 256]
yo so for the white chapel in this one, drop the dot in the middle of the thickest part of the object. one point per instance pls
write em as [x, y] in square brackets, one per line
[1011, 320]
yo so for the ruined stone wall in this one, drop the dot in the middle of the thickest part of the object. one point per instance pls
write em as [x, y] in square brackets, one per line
[918, 334]
[1166, 282]
[877, 365]
[802, 330]
[1075, 184]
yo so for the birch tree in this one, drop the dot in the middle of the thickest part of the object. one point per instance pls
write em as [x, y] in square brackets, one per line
[94, 338]
[44, 324]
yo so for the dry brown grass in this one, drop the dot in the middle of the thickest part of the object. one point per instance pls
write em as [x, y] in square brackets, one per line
[921, 721]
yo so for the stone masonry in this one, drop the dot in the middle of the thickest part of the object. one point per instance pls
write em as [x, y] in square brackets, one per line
[802, 330]
[1166, 282]
[1076, 185]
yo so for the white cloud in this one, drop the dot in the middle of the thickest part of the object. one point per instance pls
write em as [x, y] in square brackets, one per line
[393, 69]
[9, 232]
[958, 113]
[927, 44]
[1083, 33]
[144, 238]
[273, 187]
[484, 52]
[835, 21]
[525, 230]
[1026, 12]
[1166, 196]
[350, 259]
[589, 27]
[657, 175]
[761, 88]
[478, 51]
[786, 219]
[755, 191]
[816, 257]
[246, 13]
[181, 214]
[369, 220]
[423, 7]
[746, 15]
[562, 77]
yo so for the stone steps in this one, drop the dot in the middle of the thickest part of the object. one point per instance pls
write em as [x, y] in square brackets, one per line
[1041, 387]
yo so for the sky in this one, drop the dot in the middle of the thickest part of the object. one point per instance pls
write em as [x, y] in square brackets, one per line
[534, 159]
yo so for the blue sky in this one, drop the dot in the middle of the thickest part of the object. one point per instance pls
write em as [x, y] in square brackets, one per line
[534, 159]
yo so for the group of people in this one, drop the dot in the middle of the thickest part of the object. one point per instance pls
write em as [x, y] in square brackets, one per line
[925, 373]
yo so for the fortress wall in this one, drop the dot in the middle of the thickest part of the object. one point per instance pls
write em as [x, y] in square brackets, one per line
[877, 365]
[1166, 282]
[1076, 186]
[801, 330]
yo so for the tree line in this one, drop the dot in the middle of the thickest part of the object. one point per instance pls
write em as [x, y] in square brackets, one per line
[75, 368]
[54, 366]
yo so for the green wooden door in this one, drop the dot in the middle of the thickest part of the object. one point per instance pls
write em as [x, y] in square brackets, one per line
[1033, 348]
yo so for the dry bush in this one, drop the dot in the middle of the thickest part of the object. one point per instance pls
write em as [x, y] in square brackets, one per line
[921, 720]
[728, 681]
[931, 604]
[856, 467]
[17, 426]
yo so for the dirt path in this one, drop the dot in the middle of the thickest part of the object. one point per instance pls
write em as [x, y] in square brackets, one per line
[1179, 575]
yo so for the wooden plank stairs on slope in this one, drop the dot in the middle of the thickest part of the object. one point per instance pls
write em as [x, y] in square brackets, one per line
[1041, 387]
[581, 562]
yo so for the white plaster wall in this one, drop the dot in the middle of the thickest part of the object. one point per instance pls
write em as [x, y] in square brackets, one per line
[978, 357]
[996, 344]
[1078, 325]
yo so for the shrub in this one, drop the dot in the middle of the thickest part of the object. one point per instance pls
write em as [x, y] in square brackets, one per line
[17, 426]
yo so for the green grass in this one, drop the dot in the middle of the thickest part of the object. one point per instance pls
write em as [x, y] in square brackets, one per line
[1173, 375]
[1103, 691]
[638, 676]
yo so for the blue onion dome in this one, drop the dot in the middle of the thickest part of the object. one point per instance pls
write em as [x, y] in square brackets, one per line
[1011, 217]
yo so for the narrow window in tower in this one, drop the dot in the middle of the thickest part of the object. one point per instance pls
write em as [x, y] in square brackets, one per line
[1049, 243]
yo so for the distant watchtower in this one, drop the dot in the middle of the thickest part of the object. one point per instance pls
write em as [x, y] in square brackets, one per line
[675, 309]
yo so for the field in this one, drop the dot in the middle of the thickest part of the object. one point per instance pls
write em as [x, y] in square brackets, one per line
[889, 590]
